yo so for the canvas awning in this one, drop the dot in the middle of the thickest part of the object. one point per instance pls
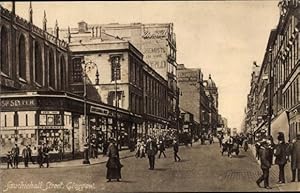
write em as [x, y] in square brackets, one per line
[280, 124]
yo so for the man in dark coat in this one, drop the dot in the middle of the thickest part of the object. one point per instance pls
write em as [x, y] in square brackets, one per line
[162, 149]
[30, 154]
[26, 156]
[295, 158]
[281, 154]
[46, 150]
[40, 156]
[176, 149]
[16, 152]
[151, 150]
[113, 164]
[264, 154]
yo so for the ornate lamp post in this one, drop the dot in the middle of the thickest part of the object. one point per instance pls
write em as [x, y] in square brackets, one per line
[87, 67]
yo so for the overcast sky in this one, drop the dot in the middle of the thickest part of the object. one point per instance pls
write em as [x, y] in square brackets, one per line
[223, 38]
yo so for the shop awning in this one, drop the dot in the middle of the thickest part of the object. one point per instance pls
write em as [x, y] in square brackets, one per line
[280, 124]
[260, 127]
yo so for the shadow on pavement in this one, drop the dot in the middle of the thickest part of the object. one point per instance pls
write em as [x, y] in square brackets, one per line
[160, 169]
[239, 156]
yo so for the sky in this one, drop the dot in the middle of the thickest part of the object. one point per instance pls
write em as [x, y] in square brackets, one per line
[223, 38]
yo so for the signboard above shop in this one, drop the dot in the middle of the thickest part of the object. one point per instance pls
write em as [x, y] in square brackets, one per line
[99, 111]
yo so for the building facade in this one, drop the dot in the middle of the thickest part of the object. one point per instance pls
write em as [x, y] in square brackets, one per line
[198, 97]
[277, 95]
[31, 60]
[157, 42]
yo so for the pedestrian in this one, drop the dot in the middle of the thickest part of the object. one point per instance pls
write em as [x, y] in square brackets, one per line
[220, 137]
[9, 158]
[230, 146]
[151, 150]
[281, 153]
[113, 164]
[176, 149]
[60, 152]
[265, 164]
[246, 144]
[30, 154]
[142, 149]
[16, 152]
[40, 156]
[138, 148]
[162, 149]
[105, 147]
[46, 150]
[25, 154]
[257, 146]
[295, 158]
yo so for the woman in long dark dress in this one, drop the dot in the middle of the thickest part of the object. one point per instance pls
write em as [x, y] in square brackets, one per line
[113, 164]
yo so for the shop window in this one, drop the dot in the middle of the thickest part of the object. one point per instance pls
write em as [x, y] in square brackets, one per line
[51, 69]
[4, 51]
[22, 57]
[38, 64]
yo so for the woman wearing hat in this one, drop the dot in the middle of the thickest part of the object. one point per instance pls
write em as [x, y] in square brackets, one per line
[113, 164]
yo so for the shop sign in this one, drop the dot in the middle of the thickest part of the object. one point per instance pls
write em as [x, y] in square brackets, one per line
[51, 127]
[18, 102]
[99, 111]
[50, 112]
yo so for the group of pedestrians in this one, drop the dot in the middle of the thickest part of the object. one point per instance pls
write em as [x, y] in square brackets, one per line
[283, 152]
[150, 148]
[231, 144]
[27, 155]
[13, 156]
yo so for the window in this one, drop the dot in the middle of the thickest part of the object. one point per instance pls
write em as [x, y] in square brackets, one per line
[38, 64]
[51, 69]
[22, 57]
[62, 72]
[77, 70]
[4, 51]
[111, 100]
[115, 68]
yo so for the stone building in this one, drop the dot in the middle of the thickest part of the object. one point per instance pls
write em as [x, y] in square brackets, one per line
[199, 97]
[274, 92]
[157, 42]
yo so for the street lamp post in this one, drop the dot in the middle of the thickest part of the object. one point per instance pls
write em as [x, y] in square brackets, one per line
[87, 66]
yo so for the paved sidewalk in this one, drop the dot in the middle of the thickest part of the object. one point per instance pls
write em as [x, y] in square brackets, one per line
[74, 163]
[288, 186]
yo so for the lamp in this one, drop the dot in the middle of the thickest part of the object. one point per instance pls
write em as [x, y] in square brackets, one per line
[88, 66]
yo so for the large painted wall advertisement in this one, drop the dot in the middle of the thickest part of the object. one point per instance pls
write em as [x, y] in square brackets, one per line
[155, 48]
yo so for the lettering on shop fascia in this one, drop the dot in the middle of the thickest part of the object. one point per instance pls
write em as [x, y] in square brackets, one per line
[17, 102]
[99, 111]
[50, 112]
[51, 127]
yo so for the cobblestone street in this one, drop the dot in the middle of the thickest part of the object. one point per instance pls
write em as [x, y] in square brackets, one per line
[202, 169]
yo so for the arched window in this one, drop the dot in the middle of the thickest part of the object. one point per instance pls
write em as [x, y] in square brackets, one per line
[22, 57]
[62, 72]
[38, 63]
[4, 51]
[51, 69]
